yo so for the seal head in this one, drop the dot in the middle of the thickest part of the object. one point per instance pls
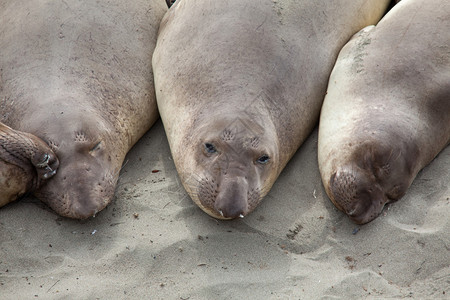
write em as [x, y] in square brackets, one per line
[231, 164]
[375, 175]
[89, 169]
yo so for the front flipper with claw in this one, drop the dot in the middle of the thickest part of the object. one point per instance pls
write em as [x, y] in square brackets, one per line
[25, 163]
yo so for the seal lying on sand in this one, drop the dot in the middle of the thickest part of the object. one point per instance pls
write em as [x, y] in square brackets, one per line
[25, 163]
[387, 111]
[77, 74]
[239, 87]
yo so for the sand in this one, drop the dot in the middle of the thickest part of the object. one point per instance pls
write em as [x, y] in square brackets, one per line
[152, 242]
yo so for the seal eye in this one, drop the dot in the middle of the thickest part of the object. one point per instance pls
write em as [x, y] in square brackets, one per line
[263, 159]
[210, 148]
[96, 146]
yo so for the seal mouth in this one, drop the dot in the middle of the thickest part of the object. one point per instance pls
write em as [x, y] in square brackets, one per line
[229, 199]
[222, 215]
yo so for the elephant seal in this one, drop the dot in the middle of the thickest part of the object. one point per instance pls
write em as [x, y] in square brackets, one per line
[26, 162]
[239, 86]
[78, 75]
[386, 114]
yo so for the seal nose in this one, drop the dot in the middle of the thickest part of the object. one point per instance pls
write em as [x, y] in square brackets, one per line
[357, 194]
[231, 202]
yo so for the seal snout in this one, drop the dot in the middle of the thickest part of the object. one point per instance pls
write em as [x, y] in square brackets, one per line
[231, 202]
[81, 188]
[357, 194]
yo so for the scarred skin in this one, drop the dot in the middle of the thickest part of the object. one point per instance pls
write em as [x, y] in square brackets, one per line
[387, 110]
[239, 87]
[77, 74]
[26, 162]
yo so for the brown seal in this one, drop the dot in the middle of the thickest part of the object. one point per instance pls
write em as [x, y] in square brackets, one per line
[239, 86]
[387, 111]
[78, 75]
[26, 162]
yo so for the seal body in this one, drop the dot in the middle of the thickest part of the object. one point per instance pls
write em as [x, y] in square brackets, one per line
[78, 75]
[386, 114]
[239, 87]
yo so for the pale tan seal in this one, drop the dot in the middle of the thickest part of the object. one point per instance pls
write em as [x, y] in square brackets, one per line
[78, 75]
[239, 86]
[387, 111]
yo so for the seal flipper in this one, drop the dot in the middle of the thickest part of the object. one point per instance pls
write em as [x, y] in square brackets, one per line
[26, 162]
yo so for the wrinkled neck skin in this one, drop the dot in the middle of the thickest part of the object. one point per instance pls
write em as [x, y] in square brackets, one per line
[228, 162]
